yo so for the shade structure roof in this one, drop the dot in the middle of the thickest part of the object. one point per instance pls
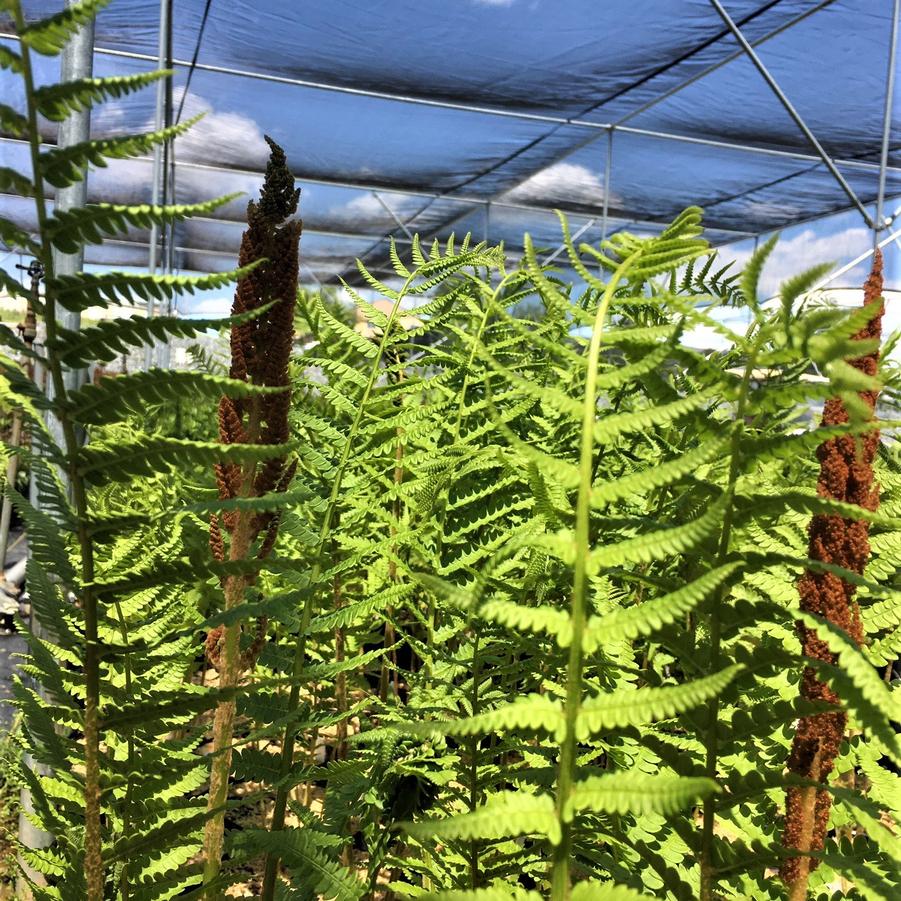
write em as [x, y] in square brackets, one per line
[403, 116]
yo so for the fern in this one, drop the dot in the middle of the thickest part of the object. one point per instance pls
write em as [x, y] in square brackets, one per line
[532, 627]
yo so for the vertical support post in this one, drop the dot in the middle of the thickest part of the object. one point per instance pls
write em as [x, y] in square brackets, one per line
[76, 61]
[608, 164]
[158, 175]
[12, 468]
[880, 222]
[487, 220]
[164, 347]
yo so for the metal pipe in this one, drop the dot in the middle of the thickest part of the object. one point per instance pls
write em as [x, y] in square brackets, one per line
[887, 118]
[393, 215]
[76, 62]
[481, 201]
[164, 347]
[608, 166]
[468, 198]
[312, 274]
[553, 256]
[367, 237]
[157, 176]
[789, 108]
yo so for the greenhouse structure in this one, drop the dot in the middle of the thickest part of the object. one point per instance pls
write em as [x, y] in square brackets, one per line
[449, 450]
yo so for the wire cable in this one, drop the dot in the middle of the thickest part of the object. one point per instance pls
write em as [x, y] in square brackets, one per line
[200, 33]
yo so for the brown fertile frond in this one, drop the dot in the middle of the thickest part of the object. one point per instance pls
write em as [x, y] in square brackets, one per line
[217, 545]
[213, 647]
[278, 196]
[846, 474]
[261, 350]
[231, 430]
[250, 655]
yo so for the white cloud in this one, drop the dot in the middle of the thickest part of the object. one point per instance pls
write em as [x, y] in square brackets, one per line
[366, 213]
[231, 138]
[805, 249]
[204, 306]
[220, 137]
[365, 206]
[571, 181]
[769, 209]
[493, 2]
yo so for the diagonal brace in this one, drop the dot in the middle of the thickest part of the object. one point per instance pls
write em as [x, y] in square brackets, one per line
[393, 215]
[553, 256]
[789, 108]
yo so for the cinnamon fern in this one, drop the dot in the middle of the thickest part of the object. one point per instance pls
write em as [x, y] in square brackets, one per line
[503, 606]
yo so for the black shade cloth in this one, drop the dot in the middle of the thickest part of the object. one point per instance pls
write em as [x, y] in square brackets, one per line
[548, 78]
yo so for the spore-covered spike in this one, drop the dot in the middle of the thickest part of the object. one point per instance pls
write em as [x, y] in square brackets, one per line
[846, 474]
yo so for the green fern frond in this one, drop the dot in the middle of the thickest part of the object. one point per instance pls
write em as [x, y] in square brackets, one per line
[10, 60]
[750, 277]
[504, 815]
[604, 891]
[63, 166]
[115, 397]
[49, 36]
[312, 871]
[658, 544]
[146, 455]
[648, 705]
[97, 289]
[67, 230]
[664, 473]
[535, 713]
[57, 101]
[13, 182]
[105, 341]
[638, 793]
[645, 618]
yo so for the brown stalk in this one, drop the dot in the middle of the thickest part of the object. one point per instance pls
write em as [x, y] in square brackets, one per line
[846, 474]
[261, 348]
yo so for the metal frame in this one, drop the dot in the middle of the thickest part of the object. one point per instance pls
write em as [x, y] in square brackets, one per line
[393, 215]
[158, 176]
[746, 48]
[790, 109]
[892, 236]
[573, 122]
[76, 62]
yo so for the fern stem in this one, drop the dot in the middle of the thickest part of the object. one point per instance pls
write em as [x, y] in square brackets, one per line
[560, 876]
[711, 742]
[286, 759]
[93, 859]
[474, 761]
[130, 749]
[798, 888]
[229, 674]
[441, 518]
[389, 636]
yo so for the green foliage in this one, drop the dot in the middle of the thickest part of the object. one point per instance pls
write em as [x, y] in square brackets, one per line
[529, 629]
[115, 714]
